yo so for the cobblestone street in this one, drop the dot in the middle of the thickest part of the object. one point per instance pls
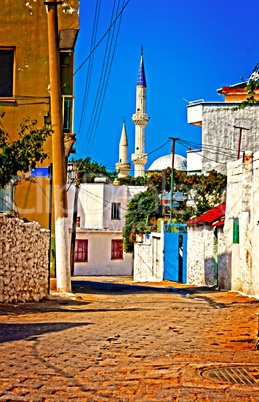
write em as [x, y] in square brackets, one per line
[118, 341]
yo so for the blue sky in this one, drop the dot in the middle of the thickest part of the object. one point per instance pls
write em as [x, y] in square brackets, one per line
[191, 49]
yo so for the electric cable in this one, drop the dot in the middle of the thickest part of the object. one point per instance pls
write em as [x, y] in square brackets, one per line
[99, 199]
[204, 157]
[102, 81]
[101, 100]
[90, 65]
[98, 43]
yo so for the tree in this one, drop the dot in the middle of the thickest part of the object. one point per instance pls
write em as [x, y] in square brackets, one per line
[207, 189]
[87, 170]
[144, 208]
[138, 218]
[21, 155]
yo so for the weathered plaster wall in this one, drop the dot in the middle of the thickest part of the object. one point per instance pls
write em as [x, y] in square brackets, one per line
[243, 204]
[195, 249]
[148, 259]
[224, 280]
[24, 261]
[202, 255]
[220, 130]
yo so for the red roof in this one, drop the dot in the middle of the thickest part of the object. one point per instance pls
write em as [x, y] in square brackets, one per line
[227, 89]
[213, 217]
[241, 88]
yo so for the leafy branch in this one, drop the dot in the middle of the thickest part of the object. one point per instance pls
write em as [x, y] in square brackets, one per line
[252, 85]
[21, 155]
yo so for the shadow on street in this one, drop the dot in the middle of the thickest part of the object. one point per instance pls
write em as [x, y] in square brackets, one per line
[31, 332]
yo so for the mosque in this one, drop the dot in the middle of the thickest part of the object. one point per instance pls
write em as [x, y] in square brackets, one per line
[139, 158]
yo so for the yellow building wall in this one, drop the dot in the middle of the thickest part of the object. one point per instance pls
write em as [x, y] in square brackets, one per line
[239, 97]
[24, 28]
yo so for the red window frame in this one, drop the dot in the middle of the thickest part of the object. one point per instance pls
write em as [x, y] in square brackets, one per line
[117, 249]
[81, 251]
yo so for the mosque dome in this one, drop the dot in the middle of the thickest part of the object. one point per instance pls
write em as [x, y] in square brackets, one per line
[162, 163]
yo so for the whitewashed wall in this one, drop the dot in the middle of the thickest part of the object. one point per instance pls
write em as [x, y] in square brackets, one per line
[220, 128]
[148, 259]
[243, 203]
[99, 255]
[224, 279]
[200, 257]
[96, 226]
[24, 260]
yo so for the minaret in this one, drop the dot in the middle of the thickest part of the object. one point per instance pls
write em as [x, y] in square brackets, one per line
[140, 119]
[123, 166]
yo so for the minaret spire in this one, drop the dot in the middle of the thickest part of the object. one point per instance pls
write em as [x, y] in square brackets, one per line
[123, 166]
[140, 119]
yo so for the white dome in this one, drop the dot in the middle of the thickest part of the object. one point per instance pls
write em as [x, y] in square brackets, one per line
[162, 163]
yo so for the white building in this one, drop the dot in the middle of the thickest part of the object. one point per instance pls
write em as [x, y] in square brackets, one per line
[194, 161]
[100, 219]
[226, 131]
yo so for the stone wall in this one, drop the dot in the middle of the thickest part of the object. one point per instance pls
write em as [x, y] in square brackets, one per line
[24, 260]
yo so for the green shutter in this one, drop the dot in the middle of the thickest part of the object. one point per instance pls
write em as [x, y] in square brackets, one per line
[235, 231]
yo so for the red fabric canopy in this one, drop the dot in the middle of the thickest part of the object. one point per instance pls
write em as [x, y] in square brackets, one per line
[213, 217]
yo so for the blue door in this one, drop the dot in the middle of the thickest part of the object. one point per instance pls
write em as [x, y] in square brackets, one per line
[175, 264]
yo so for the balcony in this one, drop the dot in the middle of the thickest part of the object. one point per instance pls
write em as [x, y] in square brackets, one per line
[194, 113]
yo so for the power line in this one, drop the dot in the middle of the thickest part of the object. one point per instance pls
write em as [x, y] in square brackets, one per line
[204, 157]
[207, 146]
[104, 77]
[161, 146]
[100, 199]
[89, 70]
[98, 43]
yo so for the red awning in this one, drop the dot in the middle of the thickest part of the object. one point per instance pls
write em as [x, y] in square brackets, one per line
[213, 217]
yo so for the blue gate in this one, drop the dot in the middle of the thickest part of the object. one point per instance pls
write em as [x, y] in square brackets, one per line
[175, 258]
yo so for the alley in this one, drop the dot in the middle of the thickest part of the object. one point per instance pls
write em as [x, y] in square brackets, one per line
[119, 341]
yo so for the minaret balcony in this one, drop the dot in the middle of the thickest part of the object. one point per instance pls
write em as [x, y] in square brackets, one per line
[122, 166]
[140, 119]
[139, 159]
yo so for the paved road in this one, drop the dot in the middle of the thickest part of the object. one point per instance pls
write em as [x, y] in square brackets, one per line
[116, 341]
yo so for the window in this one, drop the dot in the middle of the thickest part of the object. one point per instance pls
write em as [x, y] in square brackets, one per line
[116, 208]
[6, 199]
[67, 111]
[6, 72]
[81, 251]
[117, 250]
[66, 67]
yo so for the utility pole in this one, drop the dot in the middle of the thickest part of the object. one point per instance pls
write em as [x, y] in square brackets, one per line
[172, 177]
[58, 153]
[240, 139]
